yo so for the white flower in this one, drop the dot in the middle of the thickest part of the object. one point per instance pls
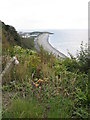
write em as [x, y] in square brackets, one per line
[16, 62]
[14, 58]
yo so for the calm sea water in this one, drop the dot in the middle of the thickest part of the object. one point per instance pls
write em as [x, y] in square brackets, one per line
[68, 40]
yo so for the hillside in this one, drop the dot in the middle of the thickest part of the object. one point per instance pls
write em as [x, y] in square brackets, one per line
[10, 36]
[41, 85]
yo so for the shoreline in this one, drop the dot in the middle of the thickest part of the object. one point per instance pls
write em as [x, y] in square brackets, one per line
[43, 40]
[63, 55]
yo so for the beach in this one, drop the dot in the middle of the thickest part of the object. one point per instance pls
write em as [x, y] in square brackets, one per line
[42, 40]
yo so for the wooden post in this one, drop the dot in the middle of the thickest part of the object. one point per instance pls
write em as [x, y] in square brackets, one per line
[9, 65]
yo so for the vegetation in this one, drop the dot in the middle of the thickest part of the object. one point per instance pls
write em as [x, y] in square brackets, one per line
[43, 86]
[11, 38]
[28, 43]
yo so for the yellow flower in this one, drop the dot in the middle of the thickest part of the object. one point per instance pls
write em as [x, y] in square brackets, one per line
[36, 84]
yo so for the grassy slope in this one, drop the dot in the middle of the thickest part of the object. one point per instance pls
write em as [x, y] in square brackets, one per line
[43, 86]
[28, 43]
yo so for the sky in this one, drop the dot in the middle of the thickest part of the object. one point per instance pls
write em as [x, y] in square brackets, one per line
[45, 14]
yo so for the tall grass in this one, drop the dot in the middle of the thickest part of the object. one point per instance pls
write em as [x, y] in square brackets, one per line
[22, 108]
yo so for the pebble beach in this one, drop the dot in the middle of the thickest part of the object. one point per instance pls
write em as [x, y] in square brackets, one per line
[42, 40]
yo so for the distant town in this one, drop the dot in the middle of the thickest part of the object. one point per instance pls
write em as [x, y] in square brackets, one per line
[31, 34]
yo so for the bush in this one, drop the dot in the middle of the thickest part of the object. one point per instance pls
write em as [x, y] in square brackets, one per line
[82, 58]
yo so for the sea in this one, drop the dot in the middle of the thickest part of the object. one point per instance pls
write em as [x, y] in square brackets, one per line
[66, 40]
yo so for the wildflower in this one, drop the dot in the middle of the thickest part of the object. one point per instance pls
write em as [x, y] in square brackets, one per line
[36, 84]
[40, 80]
[39, 87]
[16, 62]
[14, 58]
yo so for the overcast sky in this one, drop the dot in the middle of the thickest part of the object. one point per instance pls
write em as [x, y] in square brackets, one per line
[45, 14]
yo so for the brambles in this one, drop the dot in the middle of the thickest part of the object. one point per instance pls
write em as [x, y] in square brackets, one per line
[58, 86]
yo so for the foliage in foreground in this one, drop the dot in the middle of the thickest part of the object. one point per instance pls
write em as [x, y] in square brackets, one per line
[53, 88]
[23, 108]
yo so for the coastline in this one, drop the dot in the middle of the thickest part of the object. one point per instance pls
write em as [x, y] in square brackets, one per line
[43, 40]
